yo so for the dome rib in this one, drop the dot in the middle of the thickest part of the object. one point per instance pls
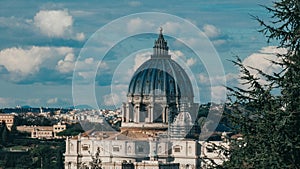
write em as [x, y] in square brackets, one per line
[161, 77]
[175, 80]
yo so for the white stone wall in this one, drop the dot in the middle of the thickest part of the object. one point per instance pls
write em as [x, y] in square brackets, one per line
[80, 150]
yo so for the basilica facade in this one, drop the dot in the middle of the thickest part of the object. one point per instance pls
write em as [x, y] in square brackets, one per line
[158, 122]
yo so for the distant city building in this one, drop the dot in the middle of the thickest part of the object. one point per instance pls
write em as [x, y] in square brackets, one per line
[158, 122]
[58, 128]
[43, 132]
[9, 120]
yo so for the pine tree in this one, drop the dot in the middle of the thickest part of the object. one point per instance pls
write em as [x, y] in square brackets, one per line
[60, 162]
[270, 122]
[1, 130]
[4, 134]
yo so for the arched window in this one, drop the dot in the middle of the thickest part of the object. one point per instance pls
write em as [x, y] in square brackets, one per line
[129, 149]
[159, 149]
[190, 150]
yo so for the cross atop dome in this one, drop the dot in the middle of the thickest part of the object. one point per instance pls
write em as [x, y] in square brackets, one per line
[160, 49]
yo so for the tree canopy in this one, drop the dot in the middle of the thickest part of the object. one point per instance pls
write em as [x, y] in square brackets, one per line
[269, 121]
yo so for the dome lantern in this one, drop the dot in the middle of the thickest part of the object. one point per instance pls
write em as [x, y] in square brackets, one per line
[160, 48]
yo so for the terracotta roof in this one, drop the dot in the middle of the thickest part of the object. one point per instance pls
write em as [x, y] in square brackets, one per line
[129, 135]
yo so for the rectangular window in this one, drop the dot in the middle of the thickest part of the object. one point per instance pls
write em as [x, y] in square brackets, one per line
[116, 148]
[140, 149]
[177, 149]
[85, 147]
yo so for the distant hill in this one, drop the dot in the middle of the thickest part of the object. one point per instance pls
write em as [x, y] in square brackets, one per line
[86, 107]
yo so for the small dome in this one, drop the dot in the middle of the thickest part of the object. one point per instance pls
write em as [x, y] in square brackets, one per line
[183, 119]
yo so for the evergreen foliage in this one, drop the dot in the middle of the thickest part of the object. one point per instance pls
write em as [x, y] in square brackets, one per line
[268, 121]
[71, 130]
[4, 134]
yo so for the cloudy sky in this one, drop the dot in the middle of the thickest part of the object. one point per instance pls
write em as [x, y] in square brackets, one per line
[45, 45]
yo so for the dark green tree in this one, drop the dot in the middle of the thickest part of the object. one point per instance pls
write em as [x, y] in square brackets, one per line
[1, 130]
[59, 161]
[44, 154]
[269, 122]
[4, 134]
[96, 162]
[71, 130]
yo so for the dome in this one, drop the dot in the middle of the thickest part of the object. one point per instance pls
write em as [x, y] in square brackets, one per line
[182, 127]
[159, 89]
[183, 119]
[160, 75]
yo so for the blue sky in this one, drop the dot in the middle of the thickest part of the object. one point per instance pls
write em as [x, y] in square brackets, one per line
[41, 40]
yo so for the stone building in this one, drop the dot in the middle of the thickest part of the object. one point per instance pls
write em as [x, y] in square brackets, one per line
[9, 120]
[43, 132]
[157, 122]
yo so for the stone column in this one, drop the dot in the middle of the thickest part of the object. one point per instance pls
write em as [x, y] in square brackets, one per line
[167, 114]
[163, 115]
[124, 112]
[137, 113]
[127, 112]
[151, 114]
[67, 146]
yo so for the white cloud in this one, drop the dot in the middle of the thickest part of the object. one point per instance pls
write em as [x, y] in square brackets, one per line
[53, 23]
[67, 64]
[56, 23]
[58, 101]
[179, 57]
[103, 65]
[261, 61]
[172, 27]
[111, 99]
[87, 74]
[218, 94]
[4, 101]
[13, 22]
[177, 54]
[140, 58]
[80, 36]
[190, 62]
[211, 31]
[216, 80]
[87, 68]
[273, 50]
[81, 13]
[89, 60]
[217, 86]
[203, 79]
[137, 24]
[135, 3]
[117, 96]
[52, 100]
[214, 34]
[219, 42]
[22, 62]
